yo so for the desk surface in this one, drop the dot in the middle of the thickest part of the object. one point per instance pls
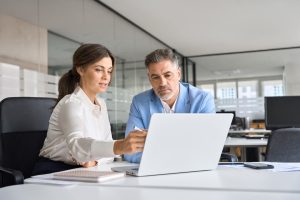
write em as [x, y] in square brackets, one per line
[79, 192]
[224, 178]
[223, 183]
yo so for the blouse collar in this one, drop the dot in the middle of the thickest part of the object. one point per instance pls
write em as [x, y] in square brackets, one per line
[81, 94]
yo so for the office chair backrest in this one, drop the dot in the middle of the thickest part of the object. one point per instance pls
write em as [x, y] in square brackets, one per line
[23, 127]
[284, 145]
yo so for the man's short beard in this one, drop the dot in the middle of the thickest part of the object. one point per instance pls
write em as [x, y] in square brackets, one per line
[166, 97]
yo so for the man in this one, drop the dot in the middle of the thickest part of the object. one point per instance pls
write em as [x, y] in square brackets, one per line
[168, 95]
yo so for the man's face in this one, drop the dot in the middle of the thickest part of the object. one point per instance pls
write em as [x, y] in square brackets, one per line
[164, 78]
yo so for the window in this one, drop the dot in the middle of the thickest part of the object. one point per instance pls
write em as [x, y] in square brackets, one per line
[247, 89]
[226, 90]
[272, 88]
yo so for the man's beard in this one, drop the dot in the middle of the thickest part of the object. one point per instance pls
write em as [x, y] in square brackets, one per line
[166, 97]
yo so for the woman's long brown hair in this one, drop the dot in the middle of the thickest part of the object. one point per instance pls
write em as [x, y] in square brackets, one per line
[85, 55]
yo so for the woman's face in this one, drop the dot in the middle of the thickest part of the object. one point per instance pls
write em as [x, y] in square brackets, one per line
[96, 77]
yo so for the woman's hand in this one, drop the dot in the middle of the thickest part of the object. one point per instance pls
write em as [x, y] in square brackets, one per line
[133, 143]
[89, 164]
[85, 164]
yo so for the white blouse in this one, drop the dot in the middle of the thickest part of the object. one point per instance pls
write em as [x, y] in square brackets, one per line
[79, 131]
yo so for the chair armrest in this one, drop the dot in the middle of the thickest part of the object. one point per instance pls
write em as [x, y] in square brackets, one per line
[15, 175]
[229, 157]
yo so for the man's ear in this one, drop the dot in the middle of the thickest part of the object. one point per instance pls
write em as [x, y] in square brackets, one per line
[179, 73]
[148, 77]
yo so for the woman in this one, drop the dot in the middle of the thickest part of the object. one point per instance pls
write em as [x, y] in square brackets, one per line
[79, 131]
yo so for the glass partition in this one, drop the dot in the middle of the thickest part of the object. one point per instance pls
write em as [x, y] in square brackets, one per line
[42, 35]
[50, 32]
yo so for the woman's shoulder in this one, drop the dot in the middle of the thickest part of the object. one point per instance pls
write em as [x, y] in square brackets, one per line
[70, 101]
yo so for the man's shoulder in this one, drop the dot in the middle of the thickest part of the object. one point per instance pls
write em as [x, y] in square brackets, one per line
[192, 90]
[200, 100]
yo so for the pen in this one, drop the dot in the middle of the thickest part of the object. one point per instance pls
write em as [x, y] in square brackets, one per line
[137, 128]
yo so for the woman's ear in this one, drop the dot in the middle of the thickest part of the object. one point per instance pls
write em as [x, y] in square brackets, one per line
[79, 70]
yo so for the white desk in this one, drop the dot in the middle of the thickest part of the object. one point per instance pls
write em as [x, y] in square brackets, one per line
[223, 183]
[244, 142]
[221, 179]
[250, 131]
[233, 142]
[93, 192]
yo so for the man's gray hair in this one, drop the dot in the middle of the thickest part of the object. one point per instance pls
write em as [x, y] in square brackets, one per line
[160, 55]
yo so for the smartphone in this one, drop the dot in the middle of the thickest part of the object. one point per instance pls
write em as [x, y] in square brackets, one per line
[258, 165]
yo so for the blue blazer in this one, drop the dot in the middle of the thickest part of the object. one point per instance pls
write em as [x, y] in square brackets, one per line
[190, 100]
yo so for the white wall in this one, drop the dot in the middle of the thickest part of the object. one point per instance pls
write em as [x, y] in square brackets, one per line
[292, 79]
[23, 44]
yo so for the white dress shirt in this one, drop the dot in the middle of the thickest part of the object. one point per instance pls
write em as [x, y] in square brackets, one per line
[167, 108]
[79, 131]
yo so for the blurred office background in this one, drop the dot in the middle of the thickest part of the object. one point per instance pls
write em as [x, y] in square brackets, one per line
[239, 51]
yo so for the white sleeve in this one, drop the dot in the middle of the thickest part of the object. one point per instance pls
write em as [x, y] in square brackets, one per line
[83, 149]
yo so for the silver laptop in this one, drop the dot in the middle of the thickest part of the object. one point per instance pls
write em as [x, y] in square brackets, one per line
[182, 142]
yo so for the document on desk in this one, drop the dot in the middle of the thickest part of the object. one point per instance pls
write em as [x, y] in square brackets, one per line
[74, 177]
[278, 166]
[47, 179]
[231, 164]
[284, 167]
[88, 175]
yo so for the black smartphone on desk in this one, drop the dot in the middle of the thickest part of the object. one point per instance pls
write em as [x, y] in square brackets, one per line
[258, 165]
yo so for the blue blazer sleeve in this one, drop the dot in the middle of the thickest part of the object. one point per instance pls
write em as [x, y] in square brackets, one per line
[135, 120]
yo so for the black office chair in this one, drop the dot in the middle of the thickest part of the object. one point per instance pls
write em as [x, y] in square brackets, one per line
[23, 127]
[284, 145]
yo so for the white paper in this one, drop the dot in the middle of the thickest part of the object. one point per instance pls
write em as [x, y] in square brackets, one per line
[48, 179]
[278, 166]
[284, 167]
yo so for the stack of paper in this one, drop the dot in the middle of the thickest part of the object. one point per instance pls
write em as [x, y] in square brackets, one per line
[87, 175]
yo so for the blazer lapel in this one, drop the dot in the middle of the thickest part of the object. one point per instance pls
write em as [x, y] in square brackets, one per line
[155, 104]
[183, 104]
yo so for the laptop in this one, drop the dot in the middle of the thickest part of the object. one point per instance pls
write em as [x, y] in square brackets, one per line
[182, 142]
